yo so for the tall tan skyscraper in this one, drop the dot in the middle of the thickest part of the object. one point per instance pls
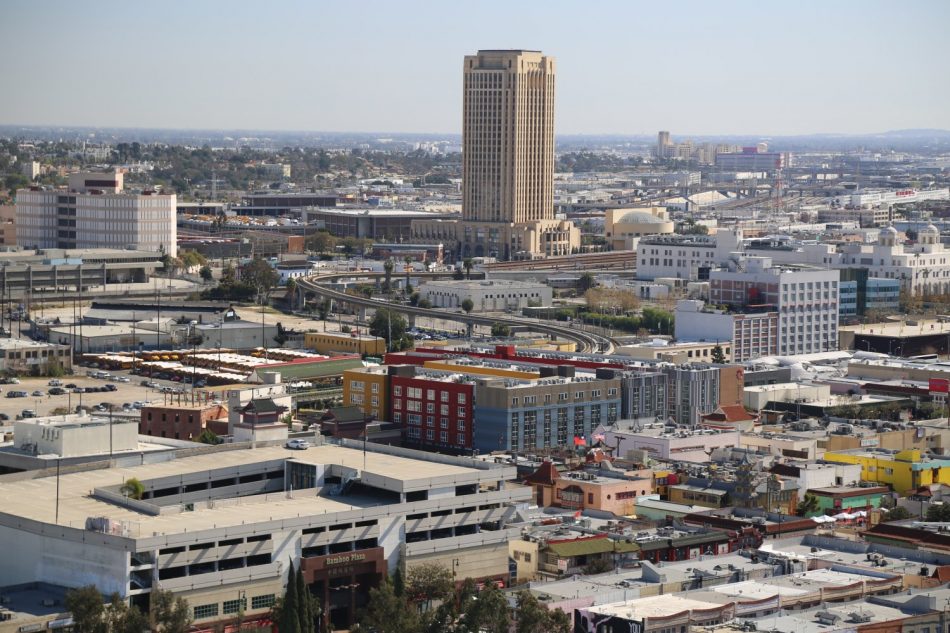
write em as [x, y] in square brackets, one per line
[507, 163]
[508, 137]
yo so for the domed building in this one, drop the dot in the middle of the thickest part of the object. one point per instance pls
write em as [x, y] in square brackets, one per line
[623, 226]
[921, 268]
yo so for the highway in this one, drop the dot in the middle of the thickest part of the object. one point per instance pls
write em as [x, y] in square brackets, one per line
[586, 341]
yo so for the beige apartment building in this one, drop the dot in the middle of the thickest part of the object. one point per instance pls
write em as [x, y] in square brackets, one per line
[95, 212]
[507, 162]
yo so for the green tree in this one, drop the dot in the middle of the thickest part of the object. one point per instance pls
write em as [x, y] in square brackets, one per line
[399, 584]
[586, 282]
[897, 514]
[305, 601]
[290, 607]
[281, 337]
[938, 512]
[500, 330]
[718, 355]
[121, 618]
[389, 325]
[87, 608]
[261, 275]
[207, 436]
[132, 488]
[468, 264]
[534, 618]
[205, 273]
[428, 582]
[167, 613]
[488, 613]
[323, 309]
[809, 505]
[458, 274]
[388, 613]
[425, 303]
[468, 305]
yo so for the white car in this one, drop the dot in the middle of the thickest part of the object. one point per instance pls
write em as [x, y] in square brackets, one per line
[299, 445]
[122, 379]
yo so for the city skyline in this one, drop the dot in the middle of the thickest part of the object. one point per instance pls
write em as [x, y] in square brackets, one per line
[696, 69]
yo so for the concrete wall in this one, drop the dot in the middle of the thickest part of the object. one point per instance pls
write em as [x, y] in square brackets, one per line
[29, 557]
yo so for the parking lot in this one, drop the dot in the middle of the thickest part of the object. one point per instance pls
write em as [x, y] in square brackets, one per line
[126, 392]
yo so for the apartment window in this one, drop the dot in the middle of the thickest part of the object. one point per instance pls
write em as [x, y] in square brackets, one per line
[414, 392]
[397, 417]
[444, 396]
[562, 396]
[514, 401]
[263, 602]
[430, 407]
[461, 412]
[430, 434]
[206, 611]
[461, 399]
[397, 390]
[374, 387]
[595, 393]
[579, 395]
[444, 437]
[356, 385]
[233, 606]
[461, 425]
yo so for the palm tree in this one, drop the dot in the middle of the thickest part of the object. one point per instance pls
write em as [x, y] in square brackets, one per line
[388, 267]
[408, 269]
[468, 265]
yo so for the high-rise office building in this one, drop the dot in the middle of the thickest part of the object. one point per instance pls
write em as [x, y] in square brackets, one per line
[95, 212]
[507, 162]
[662, 144]
[508, 137]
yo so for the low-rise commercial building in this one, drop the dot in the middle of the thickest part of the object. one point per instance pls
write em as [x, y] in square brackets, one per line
[350, 343]
[23, 356]
[183, 421]
[368, 389]
[488, 295]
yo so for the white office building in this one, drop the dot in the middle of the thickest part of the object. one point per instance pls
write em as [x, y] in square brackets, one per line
[95, 212]
[685, 256]
[806, 300]
[922, 268]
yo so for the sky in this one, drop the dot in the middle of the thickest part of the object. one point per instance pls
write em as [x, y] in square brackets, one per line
[627, 67]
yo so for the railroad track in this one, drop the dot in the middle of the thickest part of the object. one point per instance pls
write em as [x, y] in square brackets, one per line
[590, 261]
[586, 341]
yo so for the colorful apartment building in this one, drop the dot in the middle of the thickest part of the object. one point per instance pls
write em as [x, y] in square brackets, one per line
[368, 389]
[434, 407]
[904, 472]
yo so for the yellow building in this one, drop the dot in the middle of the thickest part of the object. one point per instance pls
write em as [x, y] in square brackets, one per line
[352, 343]
[367, 388]
[904, 472]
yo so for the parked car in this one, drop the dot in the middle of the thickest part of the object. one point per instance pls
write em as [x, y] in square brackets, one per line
[55, 382]
[126, 405]
[111, 387]
[71, 385]
[200, 383]
[4, 417]
[122, 379]
[27, 413]
[38, 393]
[56, 391]
[16, 394]
[298, 445]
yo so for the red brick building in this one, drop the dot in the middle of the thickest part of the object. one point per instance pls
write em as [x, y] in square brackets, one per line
[183, 421]
[435, 408]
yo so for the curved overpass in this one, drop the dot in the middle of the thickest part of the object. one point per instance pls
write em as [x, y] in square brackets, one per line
[586, 341]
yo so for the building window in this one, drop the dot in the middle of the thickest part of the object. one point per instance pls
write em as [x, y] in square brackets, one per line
[233, 606]
[206, 611]
[263, 602]
[461, 399]
[461, 412]
[397, 390]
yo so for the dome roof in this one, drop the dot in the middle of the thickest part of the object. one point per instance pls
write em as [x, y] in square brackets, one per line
[642, 217]
[930, 228]
[890, 230]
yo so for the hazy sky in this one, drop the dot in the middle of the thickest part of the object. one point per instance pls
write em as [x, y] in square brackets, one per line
[626, 67]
